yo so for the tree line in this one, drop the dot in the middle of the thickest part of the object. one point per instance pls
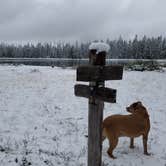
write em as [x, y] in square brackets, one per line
[144, 48]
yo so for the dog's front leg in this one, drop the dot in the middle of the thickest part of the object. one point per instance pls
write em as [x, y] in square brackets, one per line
[132, 143]
[145, 140]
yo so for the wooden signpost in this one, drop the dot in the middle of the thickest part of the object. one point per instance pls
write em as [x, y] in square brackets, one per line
[96, 73]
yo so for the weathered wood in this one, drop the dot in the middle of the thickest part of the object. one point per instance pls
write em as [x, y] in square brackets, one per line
[99, 59]
[96, 73]
[99, 93]
[114, 72]
[99, 73]
[95, 116]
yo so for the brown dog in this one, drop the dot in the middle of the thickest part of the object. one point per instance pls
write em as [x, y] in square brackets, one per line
[133, 125]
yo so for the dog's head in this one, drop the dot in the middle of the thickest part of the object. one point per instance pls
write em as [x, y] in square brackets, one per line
[138, 108]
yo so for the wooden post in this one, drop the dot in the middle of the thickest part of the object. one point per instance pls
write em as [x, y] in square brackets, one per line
[95, 116]
[97, 73]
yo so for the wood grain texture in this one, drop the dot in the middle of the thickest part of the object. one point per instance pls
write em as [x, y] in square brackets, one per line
[99, 73]
[95, 117]
[98, 93]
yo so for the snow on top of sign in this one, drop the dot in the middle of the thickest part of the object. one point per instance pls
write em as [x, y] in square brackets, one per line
[99, 46]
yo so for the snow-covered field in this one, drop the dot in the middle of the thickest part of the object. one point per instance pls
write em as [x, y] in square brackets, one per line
[42, 123]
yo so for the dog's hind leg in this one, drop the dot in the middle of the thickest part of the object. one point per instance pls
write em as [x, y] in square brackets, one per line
[113, 143]
[132, 143]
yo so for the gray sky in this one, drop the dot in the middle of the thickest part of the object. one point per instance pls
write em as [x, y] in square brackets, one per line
[82, 20]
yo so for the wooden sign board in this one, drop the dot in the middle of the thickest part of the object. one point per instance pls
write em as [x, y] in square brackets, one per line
[99, 73]
[101, 93]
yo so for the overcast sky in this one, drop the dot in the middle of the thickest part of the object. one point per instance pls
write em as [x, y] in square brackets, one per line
[82, 20]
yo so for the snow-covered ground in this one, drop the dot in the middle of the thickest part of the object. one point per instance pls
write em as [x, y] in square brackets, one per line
[42, 123]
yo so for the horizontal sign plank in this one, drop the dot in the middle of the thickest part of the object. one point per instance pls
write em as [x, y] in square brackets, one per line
[99, 73]
[101, 93]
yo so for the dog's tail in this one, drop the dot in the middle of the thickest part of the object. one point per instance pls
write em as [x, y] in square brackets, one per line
[103, 133]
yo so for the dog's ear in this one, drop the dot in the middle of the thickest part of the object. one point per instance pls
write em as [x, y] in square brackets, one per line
[139, 103]
[134, 105]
